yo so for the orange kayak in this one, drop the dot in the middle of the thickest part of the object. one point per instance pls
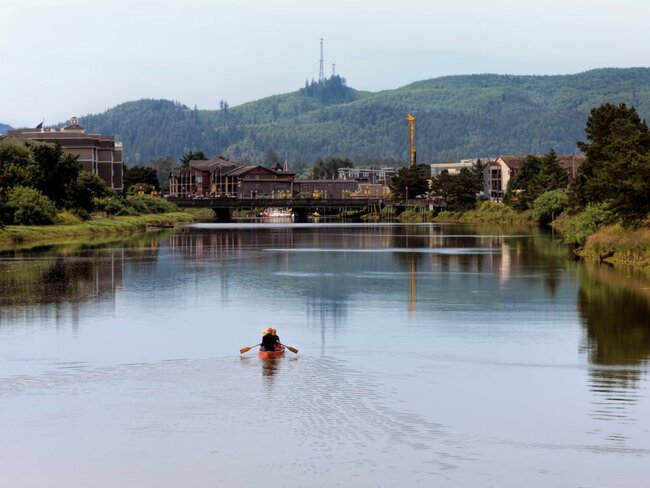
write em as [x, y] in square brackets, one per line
[271, 354]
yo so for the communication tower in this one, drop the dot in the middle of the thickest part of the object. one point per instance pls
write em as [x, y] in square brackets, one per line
[321, 73]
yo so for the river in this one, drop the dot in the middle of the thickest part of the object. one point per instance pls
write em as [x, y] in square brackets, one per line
[429, 355]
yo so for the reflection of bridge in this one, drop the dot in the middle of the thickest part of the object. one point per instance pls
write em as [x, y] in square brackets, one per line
[301, 206]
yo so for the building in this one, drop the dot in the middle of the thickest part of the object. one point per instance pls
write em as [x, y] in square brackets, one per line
[368, 175]
[498, 173]
[96, 153]
[336, 189]
[221, 178]
[454, 168]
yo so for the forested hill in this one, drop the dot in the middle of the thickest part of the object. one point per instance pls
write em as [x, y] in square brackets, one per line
[457, 117]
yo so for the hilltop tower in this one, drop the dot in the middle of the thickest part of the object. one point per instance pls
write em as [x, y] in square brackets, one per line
[321, 73]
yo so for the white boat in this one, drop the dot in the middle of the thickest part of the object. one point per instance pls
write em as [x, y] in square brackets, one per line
[279, 212]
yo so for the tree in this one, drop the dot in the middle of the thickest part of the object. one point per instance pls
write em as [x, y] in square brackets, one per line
[410, 182]
[192, 156]
[163, 167]
[58, 170]
[459, 191]
[18, 167]
[28, 206]
[536, 176]
[549, 205]
[85, 189]
[141, 175]
[616, 170]
[522, 189]
[552, 175]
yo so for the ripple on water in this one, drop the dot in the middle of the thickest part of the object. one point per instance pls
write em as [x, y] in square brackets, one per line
[310, 414]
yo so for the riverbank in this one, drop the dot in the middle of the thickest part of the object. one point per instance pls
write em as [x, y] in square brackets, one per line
[615, 245]
[486, 213]
[13, 235]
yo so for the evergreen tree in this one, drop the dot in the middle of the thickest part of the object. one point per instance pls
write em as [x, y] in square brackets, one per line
[410, 182]
[617, 165]
[192, 156]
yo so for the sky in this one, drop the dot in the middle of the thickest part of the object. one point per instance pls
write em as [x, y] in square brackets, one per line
[75, 57]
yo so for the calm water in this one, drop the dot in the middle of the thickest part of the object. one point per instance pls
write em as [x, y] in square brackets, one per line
[430, 355]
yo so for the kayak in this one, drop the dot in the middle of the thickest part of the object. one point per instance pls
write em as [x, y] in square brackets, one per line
[271, 354]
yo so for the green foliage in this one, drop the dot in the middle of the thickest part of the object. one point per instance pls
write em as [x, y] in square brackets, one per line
[617, 168]
[192, 156]
[329, 169]
[84, 190]
[487, 212]
[459, 191]
[410, 182]
[58, 170]
[145, 177]
[112, 206]
[330, 90]
[18, 167]
[457, 117]
[146, 204]
[549, 205]
[27, 206]
[536, 176]
[576, 228]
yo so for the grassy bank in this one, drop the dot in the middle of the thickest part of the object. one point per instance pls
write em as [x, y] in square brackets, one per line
[486, 213]
[25, 234]
[619, 246]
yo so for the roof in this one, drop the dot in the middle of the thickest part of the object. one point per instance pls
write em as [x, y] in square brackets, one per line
[565, 160]
[215, 164]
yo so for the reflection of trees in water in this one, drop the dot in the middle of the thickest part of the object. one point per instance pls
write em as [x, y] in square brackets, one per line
[616, 318]
[67, 274]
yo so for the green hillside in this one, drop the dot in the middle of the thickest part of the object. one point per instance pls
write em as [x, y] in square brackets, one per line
[457, 117]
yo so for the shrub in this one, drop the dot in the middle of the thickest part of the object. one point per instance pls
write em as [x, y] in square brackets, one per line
[144, 204]
[112, 206]
[28, 206]
[577, 228]
[83, 192]
[549, 205]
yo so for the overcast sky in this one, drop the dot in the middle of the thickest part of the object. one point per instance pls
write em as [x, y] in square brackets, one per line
[74, 57]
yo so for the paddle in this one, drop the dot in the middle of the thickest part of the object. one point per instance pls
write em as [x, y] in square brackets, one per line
[292, 349]
[246, 349]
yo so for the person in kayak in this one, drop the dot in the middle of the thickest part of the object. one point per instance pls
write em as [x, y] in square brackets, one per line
[270, 340]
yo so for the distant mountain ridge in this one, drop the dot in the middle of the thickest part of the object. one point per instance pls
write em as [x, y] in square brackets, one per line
[4, 128]
[457, 117]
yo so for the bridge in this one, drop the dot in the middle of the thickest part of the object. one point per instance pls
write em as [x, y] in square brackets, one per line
[301, 207]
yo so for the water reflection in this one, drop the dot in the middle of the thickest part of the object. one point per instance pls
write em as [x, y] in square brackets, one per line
[615, 311]
[60, 279]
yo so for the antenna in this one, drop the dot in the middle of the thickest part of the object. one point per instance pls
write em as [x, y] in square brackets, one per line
[321, 73]
[333, 69]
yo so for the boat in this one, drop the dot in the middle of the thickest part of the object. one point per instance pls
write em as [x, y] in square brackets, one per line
[271, 354]
[279, 212]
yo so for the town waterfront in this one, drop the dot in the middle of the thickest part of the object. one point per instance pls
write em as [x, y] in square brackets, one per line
[430, 355]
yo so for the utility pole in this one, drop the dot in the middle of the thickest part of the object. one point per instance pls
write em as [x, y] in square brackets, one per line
[411, 120]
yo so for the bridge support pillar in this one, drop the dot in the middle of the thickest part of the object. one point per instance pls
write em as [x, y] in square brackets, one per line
[301, 215]
[222, 214]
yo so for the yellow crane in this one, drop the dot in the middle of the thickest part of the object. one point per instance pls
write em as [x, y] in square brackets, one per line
[411, 120]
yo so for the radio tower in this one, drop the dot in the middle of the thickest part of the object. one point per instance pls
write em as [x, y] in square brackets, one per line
[321, 73]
